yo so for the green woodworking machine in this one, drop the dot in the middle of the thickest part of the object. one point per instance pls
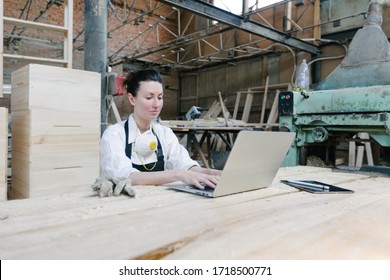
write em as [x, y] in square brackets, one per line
[354, 98]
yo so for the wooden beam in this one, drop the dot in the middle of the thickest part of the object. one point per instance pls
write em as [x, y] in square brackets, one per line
[367, 147]
[352, 154]
[66, 31]
[264, 100]
[68, 41]
[273, 115]
[247, 106]
[236, 105]
[36, 59]
[317, 20]
[295, 24]
[36, 25]
[274, 86]
[200, 151]
[224, 110]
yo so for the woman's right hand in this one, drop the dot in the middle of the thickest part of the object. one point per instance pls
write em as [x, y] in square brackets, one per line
[197, 179]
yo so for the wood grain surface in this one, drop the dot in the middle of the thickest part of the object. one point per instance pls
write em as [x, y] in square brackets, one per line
[279, 222]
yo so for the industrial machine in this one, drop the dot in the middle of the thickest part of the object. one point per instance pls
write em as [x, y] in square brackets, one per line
[354, 98]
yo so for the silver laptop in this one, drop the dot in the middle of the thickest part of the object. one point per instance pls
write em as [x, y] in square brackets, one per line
[252, 164]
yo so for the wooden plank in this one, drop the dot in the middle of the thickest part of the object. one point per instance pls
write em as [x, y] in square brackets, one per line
[356, 156]
[296, 25]
[214, 110]
[55, 130]
[35, 59]
[331, 226]
[36, 25]
[274, 86]
[367, 147]
[3, 152]
[352, 154]
[247, 107]
[54, 175]
[55, 88]
[46, 123]
[317, 19]
[236, 105]
[225, 112]
[49, 130]
[340, 235]
[336, 232]
[370, 159]
[20, 128]
[359, 156]
[200, 151]
[264, 105]
[226, 116]
[273, 115]
[68, 40]
[39, 221]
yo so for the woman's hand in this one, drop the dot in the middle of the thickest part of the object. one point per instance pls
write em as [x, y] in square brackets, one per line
[199, 179]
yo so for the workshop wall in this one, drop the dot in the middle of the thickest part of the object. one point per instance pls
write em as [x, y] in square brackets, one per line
[196, 88]
[121, 28]
[280, 65]
[201, 88]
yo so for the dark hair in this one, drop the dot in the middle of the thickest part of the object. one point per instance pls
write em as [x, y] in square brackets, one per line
[133, 80]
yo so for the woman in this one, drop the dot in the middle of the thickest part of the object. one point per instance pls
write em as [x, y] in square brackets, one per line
[144, 151]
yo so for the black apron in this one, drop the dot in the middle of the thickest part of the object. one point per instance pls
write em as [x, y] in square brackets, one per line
[153, 166]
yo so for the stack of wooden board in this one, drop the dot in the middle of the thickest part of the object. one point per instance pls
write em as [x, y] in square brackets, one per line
[3, 152]
[55, 130]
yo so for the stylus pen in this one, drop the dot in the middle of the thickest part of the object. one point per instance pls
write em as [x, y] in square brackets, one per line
[309, 185]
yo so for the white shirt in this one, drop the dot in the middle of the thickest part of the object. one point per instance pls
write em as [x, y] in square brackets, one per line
[115, 163]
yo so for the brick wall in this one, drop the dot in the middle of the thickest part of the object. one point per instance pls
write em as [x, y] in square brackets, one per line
[123, 36]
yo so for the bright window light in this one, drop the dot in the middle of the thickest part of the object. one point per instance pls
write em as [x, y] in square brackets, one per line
[235, 7]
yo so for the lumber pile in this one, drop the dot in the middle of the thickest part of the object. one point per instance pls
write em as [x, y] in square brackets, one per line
[55, 130]
[266, 123]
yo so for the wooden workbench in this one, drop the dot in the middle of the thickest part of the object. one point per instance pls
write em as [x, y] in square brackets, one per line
[279, 222]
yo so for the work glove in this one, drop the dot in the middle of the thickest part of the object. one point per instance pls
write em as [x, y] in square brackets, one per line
[113, 186]
[103, 187]
[122, 185]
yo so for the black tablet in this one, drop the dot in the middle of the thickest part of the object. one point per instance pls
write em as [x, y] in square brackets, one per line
[315, 186]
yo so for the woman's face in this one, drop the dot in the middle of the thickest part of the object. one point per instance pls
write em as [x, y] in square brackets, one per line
[148, 102]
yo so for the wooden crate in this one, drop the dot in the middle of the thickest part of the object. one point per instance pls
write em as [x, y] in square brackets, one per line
[3, 152]
[55, 130]
[46, 87]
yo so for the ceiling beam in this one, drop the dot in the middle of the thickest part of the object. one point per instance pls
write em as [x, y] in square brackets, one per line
[210, 11]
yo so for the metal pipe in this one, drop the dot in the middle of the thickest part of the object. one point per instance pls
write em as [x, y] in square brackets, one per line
[244, 7]
[95, 46]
